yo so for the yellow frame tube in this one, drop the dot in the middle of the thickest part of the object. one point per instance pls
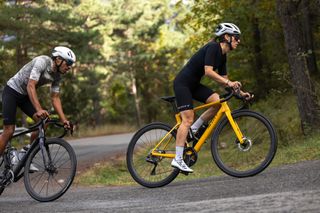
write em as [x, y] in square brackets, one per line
[224, 109]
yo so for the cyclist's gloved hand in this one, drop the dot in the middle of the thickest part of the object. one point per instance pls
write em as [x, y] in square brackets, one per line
[42, 114]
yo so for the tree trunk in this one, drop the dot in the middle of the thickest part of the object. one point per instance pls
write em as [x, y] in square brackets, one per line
[258, 67]
[296, 49]
[136, 100]
[134, 90]
[308, 36]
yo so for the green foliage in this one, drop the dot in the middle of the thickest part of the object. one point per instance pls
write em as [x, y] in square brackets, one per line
[146, 42]
[292, 147]
[129, 51]
[253, 18]
[35, 28]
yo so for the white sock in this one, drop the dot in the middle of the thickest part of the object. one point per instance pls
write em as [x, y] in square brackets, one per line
[196, 125]
[179, 152]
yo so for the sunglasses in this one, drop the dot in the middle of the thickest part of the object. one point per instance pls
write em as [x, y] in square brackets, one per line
[236, 37]
[69, 62]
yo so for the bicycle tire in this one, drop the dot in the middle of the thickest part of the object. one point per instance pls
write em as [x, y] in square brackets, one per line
[59, 174]
[244, 160]
[1, 189]
[150, 171]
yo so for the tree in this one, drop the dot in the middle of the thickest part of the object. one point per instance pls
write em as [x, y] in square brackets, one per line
[146, 38]
[297, 51]
[307, 14]
[254, 63]
[35, 27]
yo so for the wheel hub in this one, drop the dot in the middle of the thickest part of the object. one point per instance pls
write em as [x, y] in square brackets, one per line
[246, 145]
[51, 169]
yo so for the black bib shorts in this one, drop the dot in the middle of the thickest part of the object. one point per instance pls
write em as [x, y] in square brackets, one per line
[11, 99]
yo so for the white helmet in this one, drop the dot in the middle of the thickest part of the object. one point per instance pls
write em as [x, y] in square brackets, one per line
[227, 28]
[65, 53]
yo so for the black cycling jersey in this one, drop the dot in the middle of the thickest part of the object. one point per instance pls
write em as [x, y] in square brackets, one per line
[209, 55]
[187, 83]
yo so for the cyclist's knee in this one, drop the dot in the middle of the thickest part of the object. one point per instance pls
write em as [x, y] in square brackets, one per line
[213, 98]
[187, 117]
[187, 121]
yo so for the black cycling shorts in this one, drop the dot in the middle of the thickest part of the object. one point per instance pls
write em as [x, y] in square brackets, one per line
[11, 99]
[187, 89]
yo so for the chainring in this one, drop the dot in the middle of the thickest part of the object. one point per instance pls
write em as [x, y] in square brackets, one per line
[190, 156]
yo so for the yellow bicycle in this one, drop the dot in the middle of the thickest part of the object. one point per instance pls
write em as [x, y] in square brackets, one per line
[243, 144]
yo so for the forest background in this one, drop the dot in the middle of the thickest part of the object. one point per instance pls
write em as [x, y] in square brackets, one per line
[129, 51]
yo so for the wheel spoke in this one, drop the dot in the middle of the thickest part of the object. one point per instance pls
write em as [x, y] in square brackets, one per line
[147, 173]
[254, 155]
[60, 171]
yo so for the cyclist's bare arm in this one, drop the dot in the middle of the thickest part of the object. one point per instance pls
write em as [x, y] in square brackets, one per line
[32, 93]
[56, 103]
[211, 73]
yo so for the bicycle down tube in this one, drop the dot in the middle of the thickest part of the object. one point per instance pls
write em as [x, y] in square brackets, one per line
[224, 109]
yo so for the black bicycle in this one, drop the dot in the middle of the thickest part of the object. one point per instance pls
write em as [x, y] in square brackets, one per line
[54, 159]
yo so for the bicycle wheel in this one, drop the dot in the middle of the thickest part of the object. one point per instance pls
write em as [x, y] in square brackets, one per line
[1, 189]
[250, 158]
[151, 171]
[53, 179]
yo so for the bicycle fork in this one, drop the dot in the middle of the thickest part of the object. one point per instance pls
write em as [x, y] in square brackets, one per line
[233, 124]
[44, 150]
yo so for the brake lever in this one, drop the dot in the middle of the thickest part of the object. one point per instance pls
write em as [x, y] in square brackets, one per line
[249, 101]
[71, 128]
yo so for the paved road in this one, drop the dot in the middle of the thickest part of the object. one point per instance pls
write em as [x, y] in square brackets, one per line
[91, 150]
[293, 188]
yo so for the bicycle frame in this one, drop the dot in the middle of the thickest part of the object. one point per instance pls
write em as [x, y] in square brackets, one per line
[40, 140]
[224, 110]
[17, 169]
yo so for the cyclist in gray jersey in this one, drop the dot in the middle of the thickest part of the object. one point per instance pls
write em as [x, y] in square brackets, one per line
[20, 90]
[39, 69]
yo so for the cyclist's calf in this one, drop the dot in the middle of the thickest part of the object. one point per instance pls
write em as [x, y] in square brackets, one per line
[5, 136]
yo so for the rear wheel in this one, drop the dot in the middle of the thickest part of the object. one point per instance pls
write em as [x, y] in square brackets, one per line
[147, 170]
[251, 157]
[54, 178]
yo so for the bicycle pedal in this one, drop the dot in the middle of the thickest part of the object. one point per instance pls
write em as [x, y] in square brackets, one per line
[185, 173]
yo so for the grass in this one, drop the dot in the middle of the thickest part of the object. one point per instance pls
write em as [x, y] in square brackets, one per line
[107, 129]
[293, 147]
[115, 172]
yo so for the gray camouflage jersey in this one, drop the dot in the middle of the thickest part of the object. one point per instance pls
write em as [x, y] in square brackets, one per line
[39, 69]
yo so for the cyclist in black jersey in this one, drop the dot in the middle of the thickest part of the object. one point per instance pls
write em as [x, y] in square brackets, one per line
[210, 60]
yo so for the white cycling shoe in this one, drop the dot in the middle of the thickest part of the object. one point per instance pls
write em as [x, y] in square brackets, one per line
[181, 165]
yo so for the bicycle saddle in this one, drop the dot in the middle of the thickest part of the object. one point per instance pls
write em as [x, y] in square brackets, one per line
[169, 99]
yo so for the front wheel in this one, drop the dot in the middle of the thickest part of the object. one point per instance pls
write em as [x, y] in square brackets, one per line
[49, 181]
[251, 157]
[146, 169]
